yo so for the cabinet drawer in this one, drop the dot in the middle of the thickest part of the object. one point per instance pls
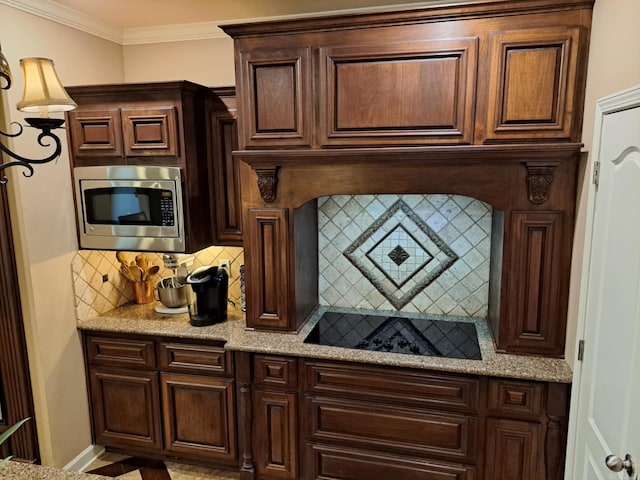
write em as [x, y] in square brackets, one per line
[339, 463]
[516, 397]
[429, 390]
[180, 357]
[120, 352]
[275, 371]
[385, 427]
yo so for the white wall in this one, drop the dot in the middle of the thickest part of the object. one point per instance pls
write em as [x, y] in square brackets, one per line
[44, 230]
[614, 64]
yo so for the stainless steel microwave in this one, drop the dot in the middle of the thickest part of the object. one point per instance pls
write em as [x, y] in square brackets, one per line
[130, 208]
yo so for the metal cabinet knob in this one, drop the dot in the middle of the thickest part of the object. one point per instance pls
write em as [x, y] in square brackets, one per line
[616, 464]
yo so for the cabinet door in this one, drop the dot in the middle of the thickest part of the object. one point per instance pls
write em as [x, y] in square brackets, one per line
[267, 274]
[150, 132]
[276, 106]
[275, 437]
[406, 94]
[226, 178]
[95, 134]
[536, 303]
[532, 86]
[198, 414]
[126, 408]
[514, 450]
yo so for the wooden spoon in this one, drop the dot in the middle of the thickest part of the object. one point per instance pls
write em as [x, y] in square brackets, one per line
[153, 270]
[124, 270]
[136, 273]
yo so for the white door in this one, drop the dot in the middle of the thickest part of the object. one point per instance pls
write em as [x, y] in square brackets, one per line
[605, 417]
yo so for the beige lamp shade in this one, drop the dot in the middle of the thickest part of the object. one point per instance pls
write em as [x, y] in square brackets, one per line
[43, 91]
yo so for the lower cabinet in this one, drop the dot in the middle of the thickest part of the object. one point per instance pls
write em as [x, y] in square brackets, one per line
[126, 408]
[324, 420]
[318, 419]
[162, 398]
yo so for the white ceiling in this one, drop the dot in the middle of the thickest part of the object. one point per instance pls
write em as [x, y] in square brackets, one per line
[149, 21]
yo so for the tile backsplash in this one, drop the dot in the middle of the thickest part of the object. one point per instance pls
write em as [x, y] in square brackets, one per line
[95, 296]
[412, 253]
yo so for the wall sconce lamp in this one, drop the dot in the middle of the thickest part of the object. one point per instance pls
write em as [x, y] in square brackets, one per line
[43, 93]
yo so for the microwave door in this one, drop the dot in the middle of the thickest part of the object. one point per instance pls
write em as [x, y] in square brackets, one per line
[132, 214]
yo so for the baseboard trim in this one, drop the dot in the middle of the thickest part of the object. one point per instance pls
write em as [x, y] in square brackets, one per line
[85, 458]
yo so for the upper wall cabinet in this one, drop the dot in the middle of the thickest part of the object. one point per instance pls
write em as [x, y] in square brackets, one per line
[477, 73]
[532, 84]
[153, 123]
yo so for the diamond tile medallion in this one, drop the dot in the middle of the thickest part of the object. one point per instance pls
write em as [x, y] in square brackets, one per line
[410, 253]
[399, 255]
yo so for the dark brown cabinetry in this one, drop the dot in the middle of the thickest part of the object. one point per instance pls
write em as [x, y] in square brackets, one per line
[166, 398]
[225, 168]
[504, 72]
[480, 99]
[160, 124]
[357, 421]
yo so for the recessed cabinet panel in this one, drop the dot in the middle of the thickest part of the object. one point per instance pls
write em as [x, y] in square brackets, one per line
[126, 408]
[267, 274]
[197, 416]
[150, 132]
[275, 430]
[511, 450]
[536, 322]
[331, 463]
[95, 134]
[532, 86]
[402, 94]
[276, 106]
[391, 427]
[226, 178]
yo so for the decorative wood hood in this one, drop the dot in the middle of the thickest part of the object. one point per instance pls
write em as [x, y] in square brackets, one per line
[482, 99]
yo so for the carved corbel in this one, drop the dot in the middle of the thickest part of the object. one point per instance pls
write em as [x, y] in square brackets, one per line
[540, 178]
[267, 182]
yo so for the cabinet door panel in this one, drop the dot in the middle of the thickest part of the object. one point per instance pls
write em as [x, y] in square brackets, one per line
[405, 94]
[532, 86]
[390, 427]
[267, 273]
[535, 309]
[512, 450]
[275, 90]
[342, 463]
[198, 416]
[226, 178]
[150, 132]
[275, 436]
[126, 408]
[95, 134]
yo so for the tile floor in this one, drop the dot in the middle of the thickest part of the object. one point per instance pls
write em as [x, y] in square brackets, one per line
[135, 468]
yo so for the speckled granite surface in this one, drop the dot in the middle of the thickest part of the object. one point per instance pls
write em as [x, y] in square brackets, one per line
[142, 319]
[27, 471]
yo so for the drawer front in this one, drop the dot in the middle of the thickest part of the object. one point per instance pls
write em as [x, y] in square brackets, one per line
[521, 398]
[384, 428]
[121, 352]
[180, 357]
[433, 391]
[275, 371]
[337, 463]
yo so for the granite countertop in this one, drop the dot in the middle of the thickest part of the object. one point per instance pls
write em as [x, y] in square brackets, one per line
[142, 319]
[27, 471]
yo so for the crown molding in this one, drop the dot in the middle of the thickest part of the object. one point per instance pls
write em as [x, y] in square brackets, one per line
[69, 17]
[171, 33]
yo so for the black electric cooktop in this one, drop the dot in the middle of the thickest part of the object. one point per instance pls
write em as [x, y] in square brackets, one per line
[388, 333]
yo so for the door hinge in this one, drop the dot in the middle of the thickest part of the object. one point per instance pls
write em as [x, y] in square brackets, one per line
[581, 350]
[596, 173]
